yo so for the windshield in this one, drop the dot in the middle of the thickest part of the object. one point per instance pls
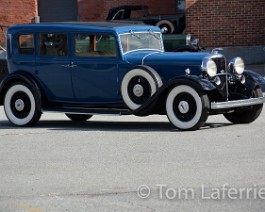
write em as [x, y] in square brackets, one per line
[133, 41]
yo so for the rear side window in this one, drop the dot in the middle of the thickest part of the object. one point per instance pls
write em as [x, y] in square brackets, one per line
[52, 45]
[89, 45]
[26, 44]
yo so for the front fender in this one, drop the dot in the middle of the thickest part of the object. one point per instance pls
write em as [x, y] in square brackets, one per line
[257, 78]
[157, 102]
[194, 81]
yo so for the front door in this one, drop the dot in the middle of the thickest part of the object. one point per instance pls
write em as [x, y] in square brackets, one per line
[94, 68]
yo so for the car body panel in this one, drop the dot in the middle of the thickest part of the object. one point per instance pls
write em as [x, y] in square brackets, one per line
[80, 67]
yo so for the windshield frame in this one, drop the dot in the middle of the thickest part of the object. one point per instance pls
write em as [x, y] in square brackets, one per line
[137, 33]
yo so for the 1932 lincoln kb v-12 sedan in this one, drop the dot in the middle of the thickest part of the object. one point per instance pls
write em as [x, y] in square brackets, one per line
[84, 69]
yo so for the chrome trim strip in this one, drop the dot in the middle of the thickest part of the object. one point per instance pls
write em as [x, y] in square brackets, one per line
[152, 53]
[237, 103]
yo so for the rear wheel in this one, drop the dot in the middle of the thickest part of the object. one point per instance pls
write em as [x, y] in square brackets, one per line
[247, 114]
[187, 109]
[78, 117]
[166, 26]
[21, 105]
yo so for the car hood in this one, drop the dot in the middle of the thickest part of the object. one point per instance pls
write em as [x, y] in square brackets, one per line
[167, 58]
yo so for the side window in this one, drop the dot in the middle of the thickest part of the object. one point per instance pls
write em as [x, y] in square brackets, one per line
[119, 15]
[52, 45]
[138, 13]
[26, 44]
[181, 5]
[87, 45]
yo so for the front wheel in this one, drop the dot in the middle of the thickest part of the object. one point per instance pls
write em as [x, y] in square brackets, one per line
[21, 105]
[187, 109]
[247, 114]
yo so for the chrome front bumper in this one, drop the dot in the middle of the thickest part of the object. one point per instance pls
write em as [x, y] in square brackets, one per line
[237, 103]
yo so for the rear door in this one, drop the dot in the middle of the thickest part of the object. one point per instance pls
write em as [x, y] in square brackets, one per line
[22, 52]
[52, 66]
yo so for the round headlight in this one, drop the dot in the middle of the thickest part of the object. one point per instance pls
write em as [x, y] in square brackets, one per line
[211, 68]
[237, 65]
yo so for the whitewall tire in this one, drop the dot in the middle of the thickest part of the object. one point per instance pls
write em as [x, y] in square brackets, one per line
[187, 109]
[20, 105]
[166, 26]
[138, 85]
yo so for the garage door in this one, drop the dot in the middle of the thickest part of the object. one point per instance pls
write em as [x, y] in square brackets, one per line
[57, 10]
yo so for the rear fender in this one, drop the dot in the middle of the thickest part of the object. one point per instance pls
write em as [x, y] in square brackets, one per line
[15, 78]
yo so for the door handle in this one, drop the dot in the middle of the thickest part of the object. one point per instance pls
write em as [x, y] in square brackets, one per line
[66, 66]
[72, 65]
[69, 65]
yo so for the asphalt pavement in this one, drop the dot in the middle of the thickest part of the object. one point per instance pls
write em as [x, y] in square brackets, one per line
[128, 163]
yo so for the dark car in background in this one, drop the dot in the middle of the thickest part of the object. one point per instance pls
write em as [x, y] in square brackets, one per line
[172, 26]
[167, 23]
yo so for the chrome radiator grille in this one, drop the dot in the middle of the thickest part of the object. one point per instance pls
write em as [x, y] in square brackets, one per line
[220, 63]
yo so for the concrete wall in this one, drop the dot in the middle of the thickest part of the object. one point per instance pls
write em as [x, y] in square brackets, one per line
[250, 54]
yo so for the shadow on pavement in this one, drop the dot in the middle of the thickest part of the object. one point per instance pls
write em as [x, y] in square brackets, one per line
[108, 126]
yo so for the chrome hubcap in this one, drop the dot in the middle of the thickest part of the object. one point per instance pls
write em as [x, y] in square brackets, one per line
[183, 107]
[19, 105]
[138, 90]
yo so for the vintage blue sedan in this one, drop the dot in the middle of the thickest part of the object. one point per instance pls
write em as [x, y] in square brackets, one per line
[84, 69]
